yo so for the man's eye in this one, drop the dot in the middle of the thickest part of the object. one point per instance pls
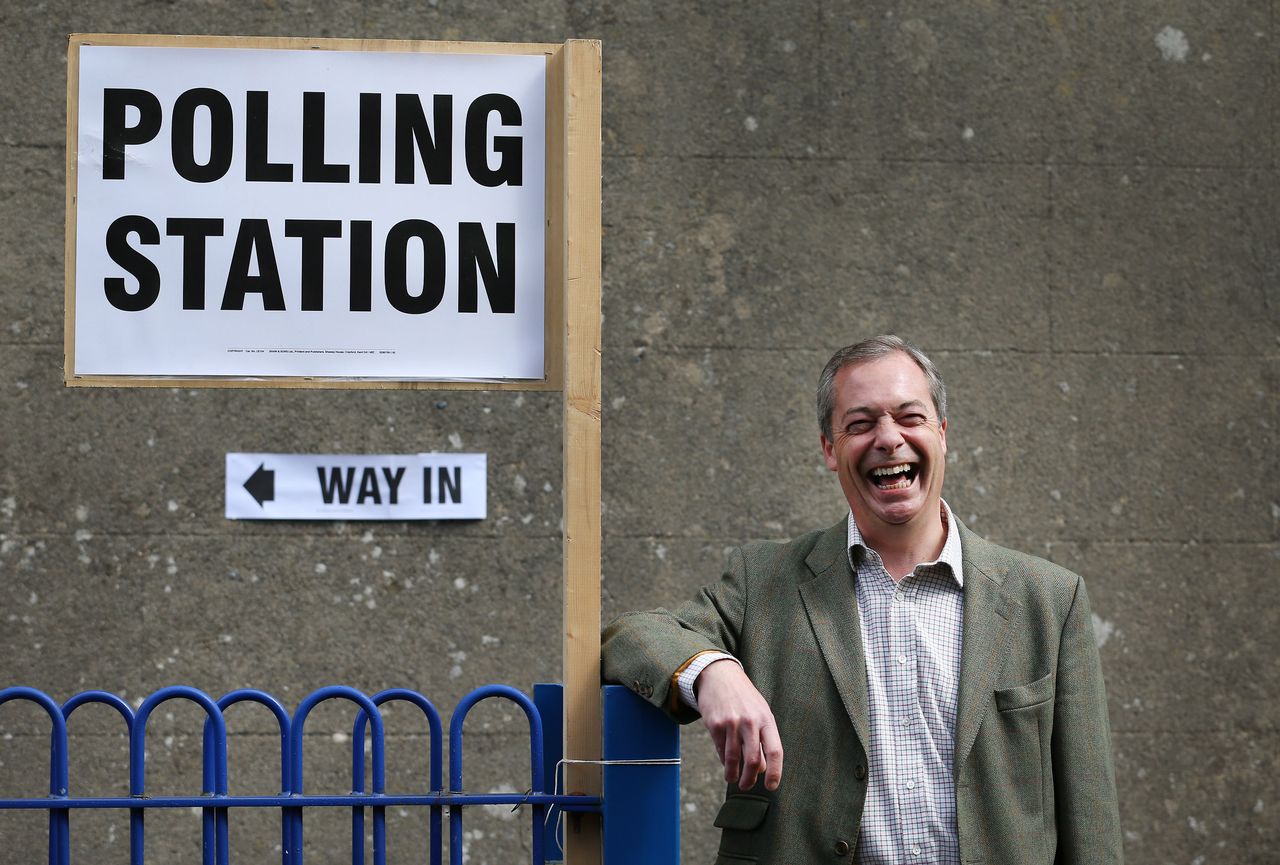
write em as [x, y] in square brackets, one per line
[913, 419]
[858, 427]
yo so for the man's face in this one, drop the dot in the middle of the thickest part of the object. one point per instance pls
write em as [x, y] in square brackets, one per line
[887, 445]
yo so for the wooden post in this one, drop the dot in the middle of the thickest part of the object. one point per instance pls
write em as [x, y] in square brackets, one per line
[581, 68]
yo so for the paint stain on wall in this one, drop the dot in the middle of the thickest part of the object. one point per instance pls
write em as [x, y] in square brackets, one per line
[1173, 44]
[1102, 630]
[915, 46]
[715, 238]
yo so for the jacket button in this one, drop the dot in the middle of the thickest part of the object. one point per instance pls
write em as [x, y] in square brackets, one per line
[842, 848]
[860, 771]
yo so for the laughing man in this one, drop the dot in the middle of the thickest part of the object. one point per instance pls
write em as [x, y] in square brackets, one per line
[939, 698]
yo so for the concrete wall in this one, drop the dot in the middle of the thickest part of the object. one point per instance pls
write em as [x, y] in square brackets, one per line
[1072, 206]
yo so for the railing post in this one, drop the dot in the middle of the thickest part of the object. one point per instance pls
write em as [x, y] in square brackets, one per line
[549, 698]
[641, 798]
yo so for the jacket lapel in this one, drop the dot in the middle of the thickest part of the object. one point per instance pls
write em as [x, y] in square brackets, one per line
[989, 619]
[832, 607]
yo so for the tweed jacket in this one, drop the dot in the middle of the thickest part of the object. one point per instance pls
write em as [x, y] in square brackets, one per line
[1034, 776]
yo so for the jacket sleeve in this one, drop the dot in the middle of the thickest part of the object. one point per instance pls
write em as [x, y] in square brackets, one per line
[645, 650]
[1085, 801]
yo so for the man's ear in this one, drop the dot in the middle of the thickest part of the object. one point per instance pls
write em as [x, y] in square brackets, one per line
[828, 453]
[942, 434]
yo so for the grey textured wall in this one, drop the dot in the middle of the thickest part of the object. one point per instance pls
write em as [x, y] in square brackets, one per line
[1073, 206]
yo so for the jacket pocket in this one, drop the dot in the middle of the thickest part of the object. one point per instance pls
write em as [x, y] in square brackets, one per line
[743, 813]
[1025, 696]
[740, 816]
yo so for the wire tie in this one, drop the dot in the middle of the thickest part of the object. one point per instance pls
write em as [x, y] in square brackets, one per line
[523, 799]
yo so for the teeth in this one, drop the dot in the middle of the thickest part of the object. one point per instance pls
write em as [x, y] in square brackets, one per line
[885, 471]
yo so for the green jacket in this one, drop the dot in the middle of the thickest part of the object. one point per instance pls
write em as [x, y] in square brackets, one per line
[1034, 776]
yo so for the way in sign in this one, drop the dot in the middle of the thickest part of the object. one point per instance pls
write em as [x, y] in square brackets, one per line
[338, 482]
[429, 486]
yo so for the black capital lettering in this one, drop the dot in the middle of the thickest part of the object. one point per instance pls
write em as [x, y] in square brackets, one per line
[370, 137]
[499, 280]
[450, 484]
[369, 487]
[361, 265]
[220, 135]
[115, 134]
[393, 479]
[138, 265]
[253, 237]
[508, 147]
[396, 272]
[335, 484]
[313, 232]
[256, 164]
[314, 168]
[194, 233]
[412, 133]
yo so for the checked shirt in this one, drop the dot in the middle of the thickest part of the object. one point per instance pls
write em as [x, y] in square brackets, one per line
[911, 635]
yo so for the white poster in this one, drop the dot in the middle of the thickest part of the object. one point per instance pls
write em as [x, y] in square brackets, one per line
[356, 486]
[253, 212]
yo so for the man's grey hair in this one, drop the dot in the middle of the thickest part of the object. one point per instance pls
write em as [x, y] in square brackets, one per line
[872, 349]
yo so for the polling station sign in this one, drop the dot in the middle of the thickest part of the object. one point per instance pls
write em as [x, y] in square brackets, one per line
[259, 212]
[427, 486]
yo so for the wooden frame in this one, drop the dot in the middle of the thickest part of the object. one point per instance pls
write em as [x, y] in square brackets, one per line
[572, 347]
[553, 313]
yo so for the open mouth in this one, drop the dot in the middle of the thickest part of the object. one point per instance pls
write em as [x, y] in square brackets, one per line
[896, 477]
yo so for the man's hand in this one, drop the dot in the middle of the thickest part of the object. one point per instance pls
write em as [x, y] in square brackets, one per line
[741, 725]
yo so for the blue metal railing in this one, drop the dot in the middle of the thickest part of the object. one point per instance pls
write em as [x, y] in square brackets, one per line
[215, 802]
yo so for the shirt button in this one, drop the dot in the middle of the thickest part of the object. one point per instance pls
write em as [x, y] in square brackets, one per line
[897, 596]
[911, 785]
[906, 722]
[842, 848]
[915, 850]
[902, 659]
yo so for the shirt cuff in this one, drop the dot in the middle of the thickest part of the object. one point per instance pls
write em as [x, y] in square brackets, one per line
[692, 669]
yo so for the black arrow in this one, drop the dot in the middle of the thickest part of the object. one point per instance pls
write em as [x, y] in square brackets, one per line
[262, 484]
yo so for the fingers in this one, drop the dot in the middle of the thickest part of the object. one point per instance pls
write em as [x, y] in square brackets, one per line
[732, 756]
[748, 755]
[772, 757]
[767, 761]
[752, 758]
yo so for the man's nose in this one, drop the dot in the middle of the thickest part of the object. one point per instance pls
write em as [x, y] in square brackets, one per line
[888, 436]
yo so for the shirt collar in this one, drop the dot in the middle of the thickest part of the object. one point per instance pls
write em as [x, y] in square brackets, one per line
[950, 556]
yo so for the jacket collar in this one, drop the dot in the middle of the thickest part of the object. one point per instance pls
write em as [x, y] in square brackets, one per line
[991, 616]
[832, 607]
